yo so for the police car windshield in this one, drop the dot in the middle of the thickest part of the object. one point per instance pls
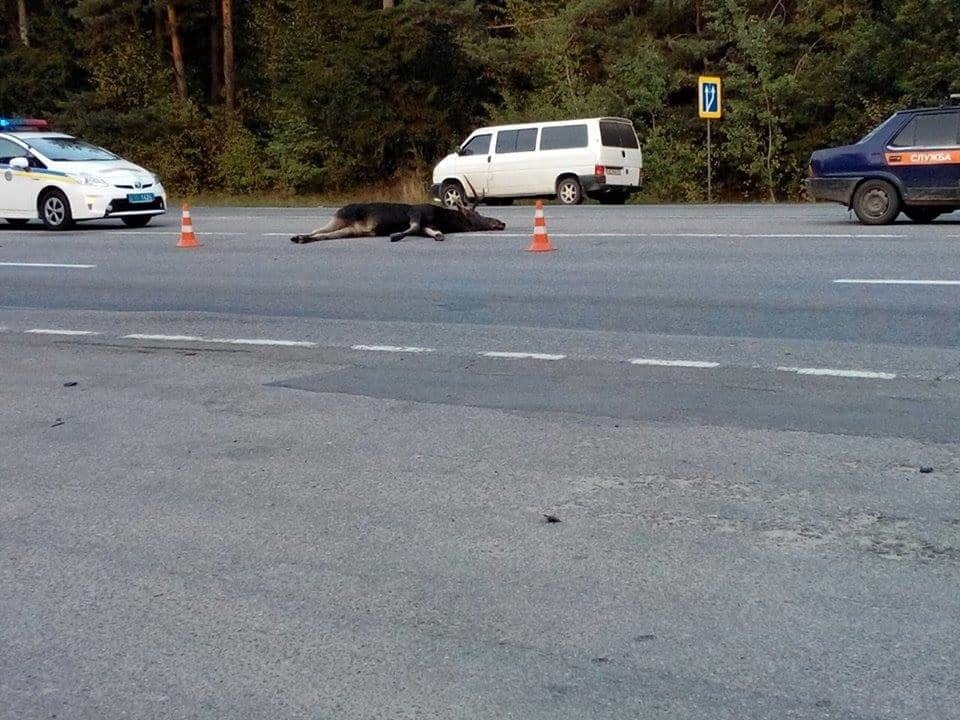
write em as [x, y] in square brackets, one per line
[873, 133]
[68, 149]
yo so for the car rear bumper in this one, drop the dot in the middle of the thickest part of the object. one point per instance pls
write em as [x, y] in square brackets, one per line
[594, 186]
[832, 189]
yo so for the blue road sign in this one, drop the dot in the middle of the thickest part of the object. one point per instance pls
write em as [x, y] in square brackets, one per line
[709, 100]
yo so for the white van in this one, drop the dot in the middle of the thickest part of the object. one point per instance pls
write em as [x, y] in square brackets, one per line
[599, 158]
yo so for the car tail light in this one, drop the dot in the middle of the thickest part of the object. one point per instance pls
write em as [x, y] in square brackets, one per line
[601, 173]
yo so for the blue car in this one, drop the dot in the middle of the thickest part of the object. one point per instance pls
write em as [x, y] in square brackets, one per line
[910, 163]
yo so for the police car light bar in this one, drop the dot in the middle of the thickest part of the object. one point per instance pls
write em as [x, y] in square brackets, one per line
[20, 124]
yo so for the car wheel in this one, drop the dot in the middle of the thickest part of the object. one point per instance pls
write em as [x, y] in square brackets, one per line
[569, 191]
[55, 211]
[17, 222]
[452, 194]
[922, 215]
[876, 202]
[136, 220]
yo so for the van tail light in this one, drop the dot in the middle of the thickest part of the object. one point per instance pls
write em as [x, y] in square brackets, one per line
[601, 173]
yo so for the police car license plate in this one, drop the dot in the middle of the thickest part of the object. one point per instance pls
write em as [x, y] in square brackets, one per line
[140, 197]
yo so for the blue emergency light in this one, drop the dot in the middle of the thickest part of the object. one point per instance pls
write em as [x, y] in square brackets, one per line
[22, 124]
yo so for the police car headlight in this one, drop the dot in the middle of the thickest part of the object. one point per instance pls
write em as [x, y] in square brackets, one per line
[91, 180]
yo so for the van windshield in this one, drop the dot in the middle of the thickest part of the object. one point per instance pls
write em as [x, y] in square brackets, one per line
[618, 134]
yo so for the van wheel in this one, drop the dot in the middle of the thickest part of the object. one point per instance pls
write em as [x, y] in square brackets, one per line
[922, 215]
[451, 194]
[136, 220]
[569, 191]
[876, 202]
[55, 211]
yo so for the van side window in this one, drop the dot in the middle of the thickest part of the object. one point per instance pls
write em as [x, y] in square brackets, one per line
[618, 134]
[562, 137]
[511, 141]
[478, 145]
[936, 130]
[527, 140]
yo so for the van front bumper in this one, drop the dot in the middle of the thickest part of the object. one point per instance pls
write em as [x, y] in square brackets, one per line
[832, 189]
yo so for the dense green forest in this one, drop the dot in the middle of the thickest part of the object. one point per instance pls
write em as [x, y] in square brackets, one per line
[326, 96]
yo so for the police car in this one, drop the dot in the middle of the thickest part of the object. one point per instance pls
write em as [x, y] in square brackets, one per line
[910, 163]
[62, 179]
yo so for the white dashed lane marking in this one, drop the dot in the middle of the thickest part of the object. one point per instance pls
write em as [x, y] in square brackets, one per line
[393, 348]
[863, 374]
[706, 365]
[522, 355]
[855, 281]
[46, 265]
[51, 331]
[498, 354]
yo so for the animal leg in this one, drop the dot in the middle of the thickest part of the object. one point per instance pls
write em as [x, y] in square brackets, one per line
[435, 234]
[334, 225]
[346, 232]
[415, 220]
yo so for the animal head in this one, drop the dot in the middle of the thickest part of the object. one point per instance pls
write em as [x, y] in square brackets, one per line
[476, 221]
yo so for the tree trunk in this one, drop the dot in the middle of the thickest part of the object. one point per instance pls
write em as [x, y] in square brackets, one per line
[177, 50]
[229, 80]
[22, 16]
[216, 59]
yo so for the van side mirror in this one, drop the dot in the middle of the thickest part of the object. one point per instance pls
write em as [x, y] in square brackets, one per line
[20, 163]
[464, 151]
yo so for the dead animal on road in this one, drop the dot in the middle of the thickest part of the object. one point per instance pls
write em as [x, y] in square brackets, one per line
[399, 220]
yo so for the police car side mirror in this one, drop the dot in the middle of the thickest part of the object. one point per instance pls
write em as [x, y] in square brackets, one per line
[20, 163]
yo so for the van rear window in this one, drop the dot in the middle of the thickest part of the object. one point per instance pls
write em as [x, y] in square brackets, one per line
[618, 134]
[561, 137]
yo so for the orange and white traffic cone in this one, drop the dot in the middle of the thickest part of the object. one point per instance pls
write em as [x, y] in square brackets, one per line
[541, 241]
[187, 237]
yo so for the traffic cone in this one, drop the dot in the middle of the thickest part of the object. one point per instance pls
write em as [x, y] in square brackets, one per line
[187, 237]
[541, 241]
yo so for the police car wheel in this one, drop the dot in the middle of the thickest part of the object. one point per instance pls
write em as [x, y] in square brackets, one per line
[876, 202]
[922, 215]
[55, 211]
[136, 221]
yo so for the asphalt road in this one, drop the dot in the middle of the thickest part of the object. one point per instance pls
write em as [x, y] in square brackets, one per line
[311, 481]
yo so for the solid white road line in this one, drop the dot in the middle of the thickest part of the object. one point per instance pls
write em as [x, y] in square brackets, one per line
[692, 235]
[865, 374]
[184, 338]
[522, 355]
[674, 363]
[50, 331]
[857, 281]
[393, 348]
[46, 265]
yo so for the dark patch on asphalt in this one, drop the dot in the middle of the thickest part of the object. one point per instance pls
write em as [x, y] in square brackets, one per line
[767, 400]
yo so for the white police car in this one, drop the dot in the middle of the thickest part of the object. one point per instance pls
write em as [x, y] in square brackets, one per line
[62, 179]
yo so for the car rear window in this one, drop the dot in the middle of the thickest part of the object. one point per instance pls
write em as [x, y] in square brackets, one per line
[934, 130]
[618, 134]
[562, 137]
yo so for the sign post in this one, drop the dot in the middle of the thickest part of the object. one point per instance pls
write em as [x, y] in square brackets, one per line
[709, 107]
